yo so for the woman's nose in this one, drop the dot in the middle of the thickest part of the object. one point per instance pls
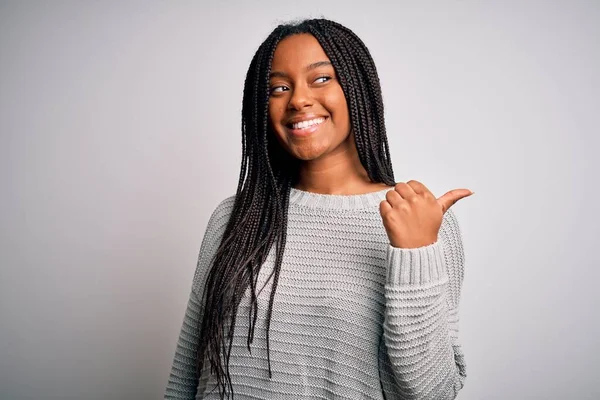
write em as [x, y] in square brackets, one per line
[301, 97]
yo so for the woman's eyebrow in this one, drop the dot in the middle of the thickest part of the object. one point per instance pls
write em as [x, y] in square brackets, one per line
[312, 66]
[318, 64]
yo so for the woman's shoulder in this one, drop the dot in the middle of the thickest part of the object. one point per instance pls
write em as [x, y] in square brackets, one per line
[222, 209]
[214, 232]
[219, 217]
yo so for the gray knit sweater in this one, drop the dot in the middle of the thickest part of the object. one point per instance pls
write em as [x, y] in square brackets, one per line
[353, 317]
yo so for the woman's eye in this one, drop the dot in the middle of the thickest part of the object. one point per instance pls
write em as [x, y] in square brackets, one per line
[278, 89]
[322, 79]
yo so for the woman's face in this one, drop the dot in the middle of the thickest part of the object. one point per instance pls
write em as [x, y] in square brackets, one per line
[307, 107]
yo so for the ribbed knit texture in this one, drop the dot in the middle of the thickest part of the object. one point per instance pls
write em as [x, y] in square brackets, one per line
[353, 318]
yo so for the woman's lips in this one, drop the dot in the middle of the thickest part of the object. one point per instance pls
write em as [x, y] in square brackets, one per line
[306, 131]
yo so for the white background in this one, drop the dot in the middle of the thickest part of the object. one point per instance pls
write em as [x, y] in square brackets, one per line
[120, 133]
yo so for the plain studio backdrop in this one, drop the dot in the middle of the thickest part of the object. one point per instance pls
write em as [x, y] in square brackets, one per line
[120, 133]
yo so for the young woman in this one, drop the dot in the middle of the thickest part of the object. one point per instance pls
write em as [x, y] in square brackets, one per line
[322, 278]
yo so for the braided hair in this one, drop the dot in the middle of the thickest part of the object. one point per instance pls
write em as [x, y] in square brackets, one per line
[259, 216]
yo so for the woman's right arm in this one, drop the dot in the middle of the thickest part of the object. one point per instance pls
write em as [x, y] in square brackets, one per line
[184, 381]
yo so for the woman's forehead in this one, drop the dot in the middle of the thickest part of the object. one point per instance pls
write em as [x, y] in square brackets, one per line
[298, 51]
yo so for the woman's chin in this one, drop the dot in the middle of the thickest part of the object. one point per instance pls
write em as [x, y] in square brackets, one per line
[308, 155]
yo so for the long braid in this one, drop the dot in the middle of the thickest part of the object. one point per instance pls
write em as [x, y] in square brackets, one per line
[279, 212]
[267, 174]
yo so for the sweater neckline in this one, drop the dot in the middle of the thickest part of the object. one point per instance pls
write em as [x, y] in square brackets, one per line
[337, 201]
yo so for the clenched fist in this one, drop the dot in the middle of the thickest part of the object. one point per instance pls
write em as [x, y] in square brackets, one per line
[412, 216]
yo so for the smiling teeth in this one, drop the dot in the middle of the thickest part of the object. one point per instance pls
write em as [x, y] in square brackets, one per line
[306, 124]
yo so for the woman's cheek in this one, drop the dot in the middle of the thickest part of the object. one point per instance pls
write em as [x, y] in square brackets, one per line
[335, 102]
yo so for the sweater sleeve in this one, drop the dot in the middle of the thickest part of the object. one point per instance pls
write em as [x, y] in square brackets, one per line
[421, 316]
[184, 381]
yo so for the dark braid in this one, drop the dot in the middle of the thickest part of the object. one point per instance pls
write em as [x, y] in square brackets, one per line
[259, 216]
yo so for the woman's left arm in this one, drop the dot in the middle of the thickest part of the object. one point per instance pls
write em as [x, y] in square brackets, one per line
[421, 316]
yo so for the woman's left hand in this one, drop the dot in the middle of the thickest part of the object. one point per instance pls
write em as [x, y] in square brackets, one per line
[412, 216]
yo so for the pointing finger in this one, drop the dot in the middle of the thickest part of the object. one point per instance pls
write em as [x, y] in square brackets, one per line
[451, 197]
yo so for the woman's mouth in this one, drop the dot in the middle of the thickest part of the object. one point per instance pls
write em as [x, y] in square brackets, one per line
[306, 127]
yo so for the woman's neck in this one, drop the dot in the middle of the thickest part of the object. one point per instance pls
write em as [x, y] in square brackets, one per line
[338, 174]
